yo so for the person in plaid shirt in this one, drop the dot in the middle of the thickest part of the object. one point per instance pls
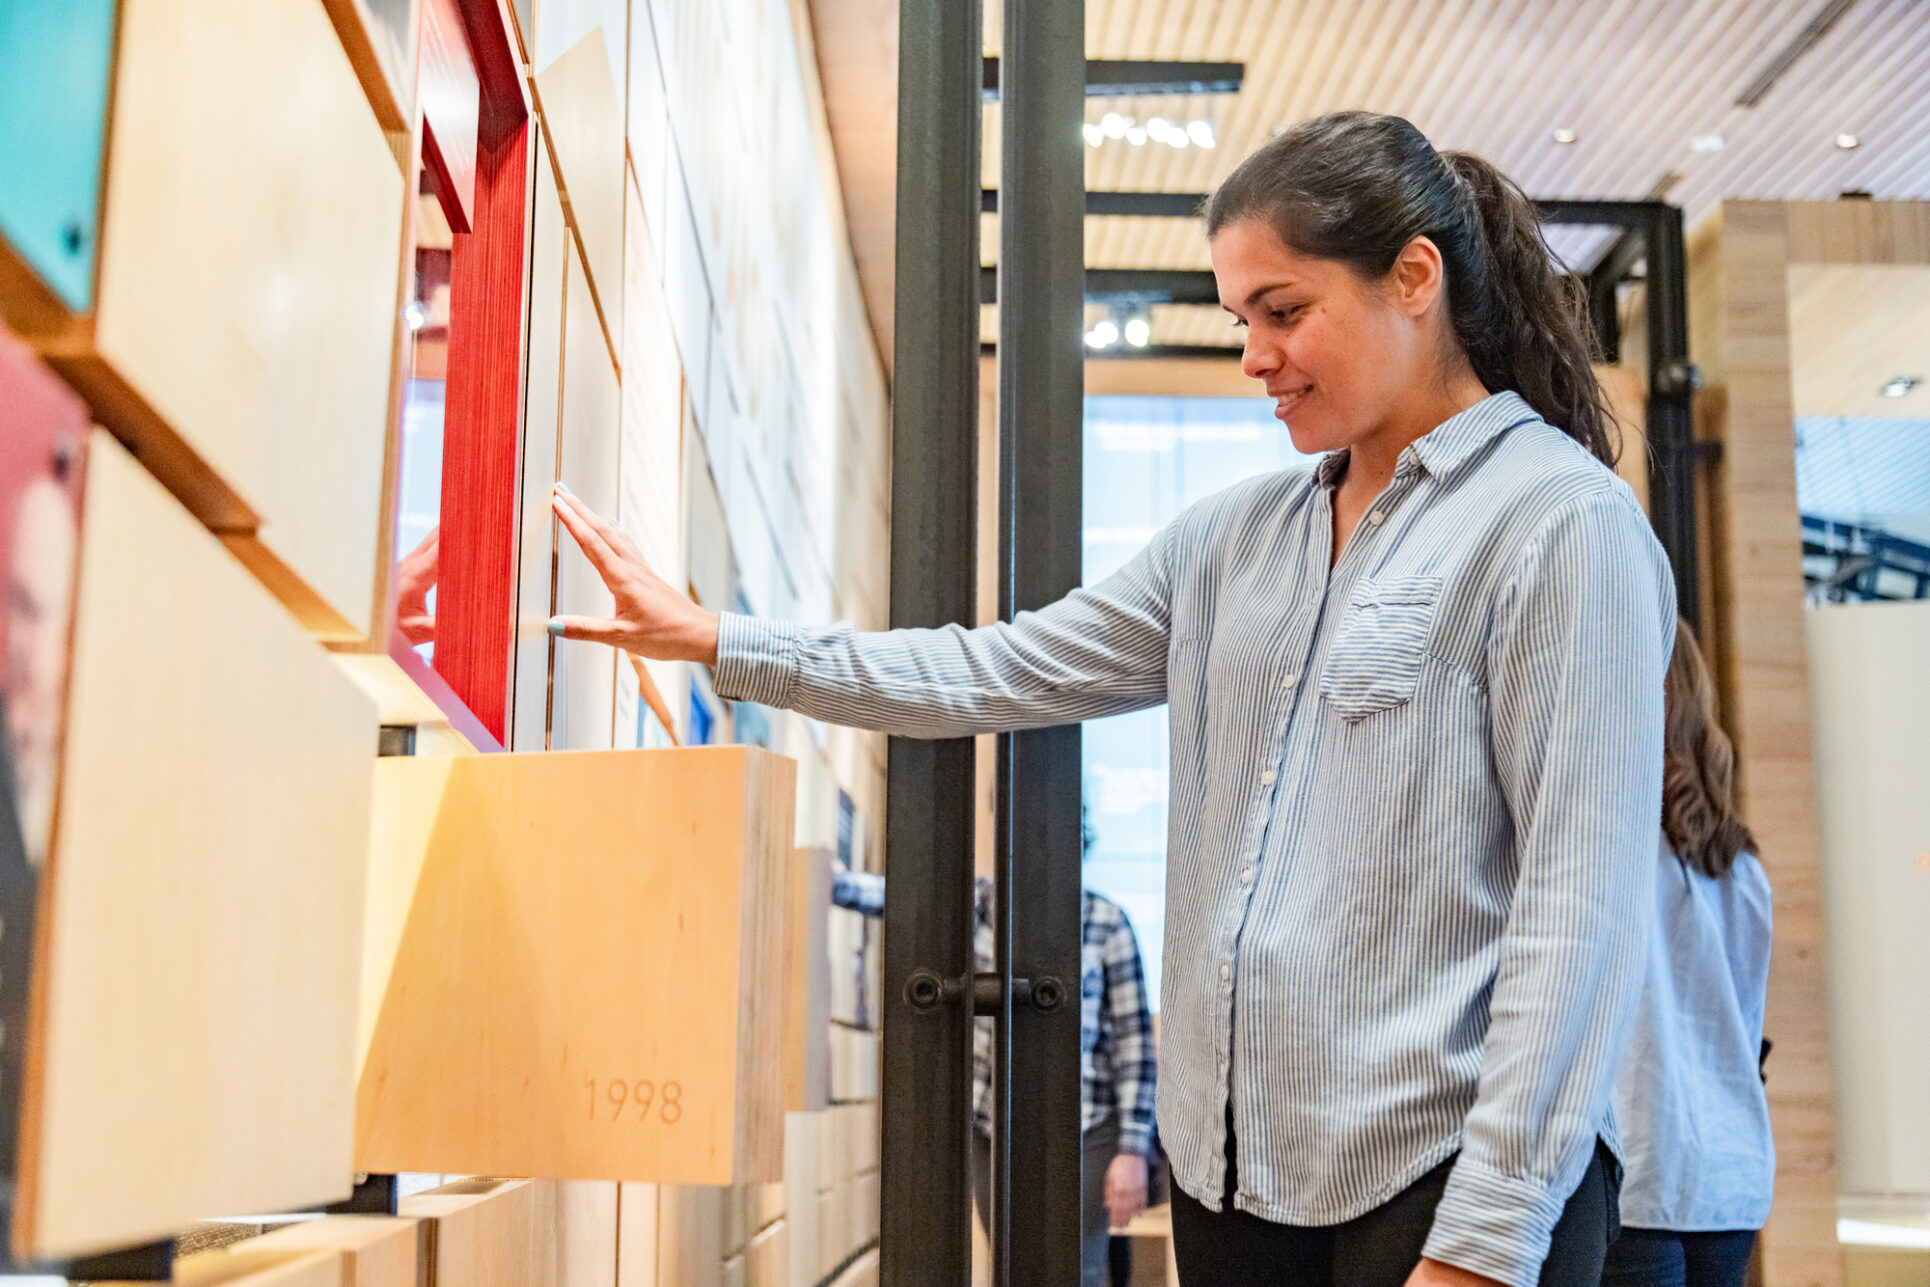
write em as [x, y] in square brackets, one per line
[1118, 1068]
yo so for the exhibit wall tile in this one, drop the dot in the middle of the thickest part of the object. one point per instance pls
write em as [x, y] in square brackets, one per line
[201, 921]
[582, 108]
[379, 37]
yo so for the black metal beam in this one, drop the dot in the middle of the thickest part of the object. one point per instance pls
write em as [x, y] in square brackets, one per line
[1671, 421]
[1126, 352]
[1133, 77]
[1036, 1216]
[1156, 205]
[1143, 285]
[926, 1217]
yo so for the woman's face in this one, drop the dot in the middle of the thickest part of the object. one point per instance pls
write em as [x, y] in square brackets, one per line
[1337, 354]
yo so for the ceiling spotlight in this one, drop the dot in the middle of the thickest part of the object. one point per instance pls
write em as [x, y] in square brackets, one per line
[1158, 128]
[1848, 142]
[1104, 332]
[1115, 125]
[1900, 385]
[1094, 135]
[1565, 135]
[1139, 330]
[1178, 138]
[1201, 132]
[415, 314]
[1136, 136]
[1706, 143]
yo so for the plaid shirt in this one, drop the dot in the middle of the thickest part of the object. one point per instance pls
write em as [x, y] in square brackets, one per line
[1117, 1065]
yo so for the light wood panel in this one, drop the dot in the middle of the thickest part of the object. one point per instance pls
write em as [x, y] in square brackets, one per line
[542, 406]
[482, 1232]
[379, 37]
[582, 107]
[576, 1234]
[1870, 698]
[244, 320]
[544, 929]
[192, 1045]
[1854, 327]
[251, 1265]
[1739, 261]
[583, 675]
[375, 1251]
[637, 1235]
[809, 1004]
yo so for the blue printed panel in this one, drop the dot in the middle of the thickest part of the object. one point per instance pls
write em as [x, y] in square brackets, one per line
[56, 62]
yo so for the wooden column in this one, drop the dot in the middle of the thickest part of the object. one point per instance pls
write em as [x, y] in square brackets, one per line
[1739, 329]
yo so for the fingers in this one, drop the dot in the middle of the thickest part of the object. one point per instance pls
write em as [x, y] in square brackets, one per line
[576, 517]
[588, 630]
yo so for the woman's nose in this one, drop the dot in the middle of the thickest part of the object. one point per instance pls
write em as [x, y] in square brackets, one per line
[1259, 359]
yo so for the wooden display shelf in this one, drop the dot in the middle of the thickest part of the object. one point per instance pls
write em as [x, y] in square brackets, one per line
[237, 324]
[191, 1040]
[574, 966]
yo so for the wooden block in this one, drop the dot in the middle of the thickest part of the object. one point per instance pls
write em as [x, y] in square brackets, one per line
[583, 683]
[376, 1251]
[832, 1246]
[245, 300]
[803, 1143]
[854, 1063]
[810, 981]
[576, 1233]
[379, 37]
[637, 1235]
[200, 946]
[537, 548]
[767, 1204]
[251, 1265]
[866, 1196]
[690, 1237]
[482, 1232]
[574, 966]
[863, 1272]
[767, 1262]
[583, 109]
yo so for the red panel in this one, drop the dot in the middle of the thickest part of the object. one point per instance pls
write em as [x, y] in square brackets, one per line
[451, 97]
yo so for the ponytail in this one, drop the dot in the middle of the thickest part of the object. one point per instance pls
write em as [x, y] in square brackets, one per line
[1357, 187]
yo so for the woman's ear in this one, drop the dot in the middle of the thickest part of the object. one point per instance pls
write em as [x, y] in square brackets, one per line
[1417, 277]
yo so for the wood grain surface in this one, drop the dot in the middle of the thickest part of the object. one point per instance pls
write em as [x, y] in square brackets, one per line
[809, 1015]
[574, 966]
[376, 1251]
[192, 1043]
[583, 109]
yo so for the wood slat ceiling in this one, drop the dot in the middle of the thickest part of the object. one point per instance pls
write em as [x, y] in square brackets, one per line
[1635, 80]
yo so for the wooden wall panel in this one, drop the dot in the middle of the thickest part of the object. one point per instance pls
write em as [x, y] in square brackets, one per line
[546, 928]
[582, 106]
[809, 970]
[637, 1235]
[1870, 691]
[1739, 261]
[483, 1232]
[576, 1234]
[379, 37]
[245, 311]
[542, 404]
[249, 1265]
[376, 1251]
[583, 707]
[192, 1046]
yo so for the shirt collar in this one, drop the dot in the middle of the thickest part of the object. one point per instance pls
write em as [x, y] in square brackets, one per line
[1446, 446]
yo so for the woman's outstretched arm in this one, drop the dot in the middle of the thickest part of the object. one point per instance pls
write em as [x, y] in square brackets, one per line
[1098, 651]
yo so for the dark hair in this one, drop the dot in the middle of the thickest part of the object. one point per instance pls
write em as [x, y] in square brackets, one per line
[1357, 187]
[1698, 767]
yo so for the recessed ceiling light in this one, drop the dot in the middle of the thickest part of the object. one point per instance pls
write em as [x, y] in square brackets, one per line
[1094, 135]
[1201, 132]
[1114, 125]
[1565, 135]
[1706, 143]
[1136, 136]
[1900, 385]
[1848, 141]
[1104, 332]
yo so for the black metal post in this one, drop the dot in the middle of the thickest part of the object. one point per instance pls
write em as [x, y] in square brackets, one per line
[927, 1231]
[1671, 417]
[1035, 1136]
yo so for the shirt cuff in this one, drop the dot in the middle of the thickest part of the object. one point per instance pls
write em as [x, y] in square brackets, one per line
[757, 661]
[1492, 1224]
[1134, 1138]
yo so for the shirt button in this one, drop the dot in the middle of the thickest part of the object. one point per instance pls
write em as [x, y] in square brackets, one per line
[1377, 517]
[1289, 679]
[1246, 877]
[1266, 779]
[1226, 974]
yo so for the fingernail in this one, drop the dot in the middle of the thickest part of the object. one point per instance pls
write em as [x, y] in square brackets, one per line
[563, 487]
[556, 628]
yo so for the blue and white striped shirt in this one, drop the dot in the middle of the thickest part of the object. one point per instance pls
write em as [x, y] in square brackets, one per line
[1414, 812]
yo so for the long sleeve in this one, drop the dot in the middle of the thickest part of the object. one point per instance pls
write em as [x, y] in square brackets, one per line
[1133, 1057]
[1576, 662]
[1098, 651]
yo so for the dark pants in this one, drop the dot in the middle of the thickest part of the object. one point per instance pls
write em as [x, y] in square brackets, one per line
[1099, 1146]
[1662, 1258]
[1229, 1248]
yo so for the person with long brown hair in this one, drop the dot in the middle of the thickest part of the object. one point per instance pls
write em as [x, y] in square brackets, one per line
[1416, 727]
[1689, 1097]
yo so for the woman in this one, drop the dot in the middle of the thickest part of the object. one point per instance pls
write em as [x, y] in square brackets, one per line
[1415, 717]
[1695, 1122]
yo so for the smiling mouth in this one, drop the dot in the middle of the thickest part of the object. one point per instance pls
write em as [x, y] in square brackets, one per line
[1285, 402]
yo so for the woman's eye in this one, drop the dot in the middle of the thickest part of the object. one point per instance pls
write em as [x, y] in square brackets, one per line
[1238, 323]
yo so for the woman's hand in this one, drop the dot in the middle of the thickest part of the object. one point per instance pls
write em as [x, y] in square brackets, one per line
[1125, 1188]
[415, 576]
[652, 620]
[1438, 1273]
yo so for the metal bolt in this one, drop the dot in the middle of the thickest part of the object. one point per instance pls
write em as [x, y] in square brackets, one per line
[1048, 994]
[924, 990]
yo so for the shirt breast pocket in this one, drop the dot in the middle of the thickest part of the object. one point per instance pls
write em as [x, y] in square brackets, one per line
[1375, 660]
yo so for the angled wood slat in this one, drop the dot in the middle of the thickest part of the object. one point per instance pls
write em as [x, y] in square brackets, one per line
[244, 310]
[375, 1251]
[574, 966]
[192, 1041]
